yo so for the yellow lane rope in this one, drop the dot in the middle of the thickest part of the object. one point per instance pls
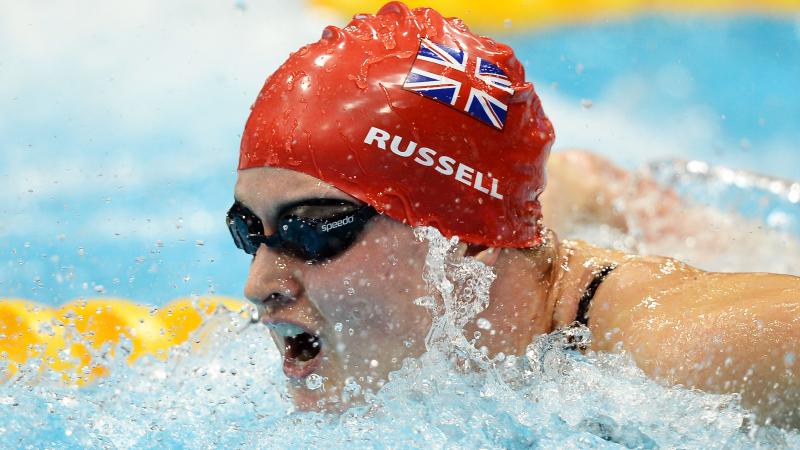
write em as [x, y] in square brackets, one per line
[522, 15]
[72, 338]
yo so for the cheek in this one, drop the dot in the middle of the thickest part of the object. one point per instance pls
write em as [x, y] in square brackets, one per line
[393, 247]
[376, 281]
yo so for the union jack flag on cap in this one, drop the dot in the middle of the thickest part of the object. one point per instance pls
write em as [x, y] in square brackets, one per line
[467, 83]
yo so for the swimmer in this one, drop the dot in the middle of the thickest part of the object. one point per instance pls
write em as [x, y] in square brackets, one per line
[405, 118]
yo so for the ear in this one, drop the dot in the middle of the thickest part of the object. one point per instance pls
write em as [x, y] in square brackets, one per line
[482, 253]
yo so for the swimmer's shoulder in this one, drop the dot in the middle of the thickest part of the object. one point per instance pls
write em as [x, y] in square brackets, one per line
[644, 287]
[617, 280]
[637, 285]
[577, 264]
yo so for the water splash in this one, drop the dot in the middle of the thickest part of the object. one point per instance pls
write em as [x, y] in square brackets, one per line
[462, 287]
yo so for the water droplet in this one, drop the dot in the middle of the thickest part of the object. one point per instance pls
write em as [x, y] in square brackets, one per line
[352, 386]
[484, 324]
[314, 381]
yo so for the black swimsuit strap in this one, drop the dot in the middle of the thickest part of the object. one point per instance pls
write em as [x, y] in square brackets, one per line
[586, 299]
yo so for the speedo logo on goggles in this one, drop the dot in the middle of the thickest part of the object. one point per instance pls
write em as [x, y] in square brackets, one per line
[339, 223]
[444, 164]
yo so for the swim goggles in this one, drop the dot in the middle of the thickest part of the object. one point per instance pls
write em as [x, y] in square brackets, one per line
[312, 230]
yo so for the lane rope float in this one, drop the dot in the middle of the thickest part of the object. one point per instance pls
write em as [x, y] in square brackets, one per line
[72, 339]
[524, 15]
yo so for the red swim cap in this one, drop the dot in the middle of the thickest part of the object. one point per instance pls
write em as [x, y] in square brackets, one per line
[415, 115]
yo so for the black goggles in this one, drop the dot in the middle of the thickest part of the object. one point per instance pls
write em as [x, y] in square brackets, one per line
[312, 230]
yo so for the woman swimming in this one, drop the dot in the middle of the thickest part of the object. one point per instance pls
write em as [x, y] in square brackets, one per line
[405, 118]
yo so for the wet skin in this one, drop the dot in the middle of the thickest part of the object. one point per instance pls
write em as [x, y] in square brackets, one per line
[358, 289]
[718, 332]
[370, 288]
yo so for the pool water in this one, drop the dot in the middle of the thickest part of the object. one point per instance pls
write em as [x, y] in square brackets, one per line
[120, 167]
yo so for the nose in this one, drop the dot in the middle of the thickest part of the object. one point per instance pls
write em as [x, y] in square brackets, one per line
[272, 280]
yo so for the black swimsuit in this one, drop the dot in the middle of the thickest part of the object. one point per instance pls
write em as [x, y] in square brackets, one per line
[586, 299]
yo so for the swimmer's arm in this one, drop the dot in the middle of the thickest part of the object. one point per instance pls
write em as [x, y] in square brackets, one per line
[576, 190]
[722, 333]
[583, 187]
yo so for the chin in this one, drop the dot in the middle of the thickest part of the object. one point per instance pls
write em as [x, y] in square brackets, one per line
[305, 399]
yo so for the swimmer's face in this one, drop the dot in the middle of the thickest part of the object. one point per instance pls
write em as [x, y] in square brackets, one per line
[356, 309]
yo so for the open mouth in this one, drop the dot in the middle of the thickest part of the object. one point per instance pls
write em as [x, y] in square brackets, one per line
[302, 349]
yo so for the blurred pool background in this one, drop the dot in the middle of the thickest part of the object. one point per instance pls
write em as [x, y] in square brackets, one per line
[120, 122]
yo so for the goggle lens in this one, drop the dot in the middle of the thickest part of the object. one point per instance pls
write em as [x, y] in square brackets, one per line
[312, 230]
